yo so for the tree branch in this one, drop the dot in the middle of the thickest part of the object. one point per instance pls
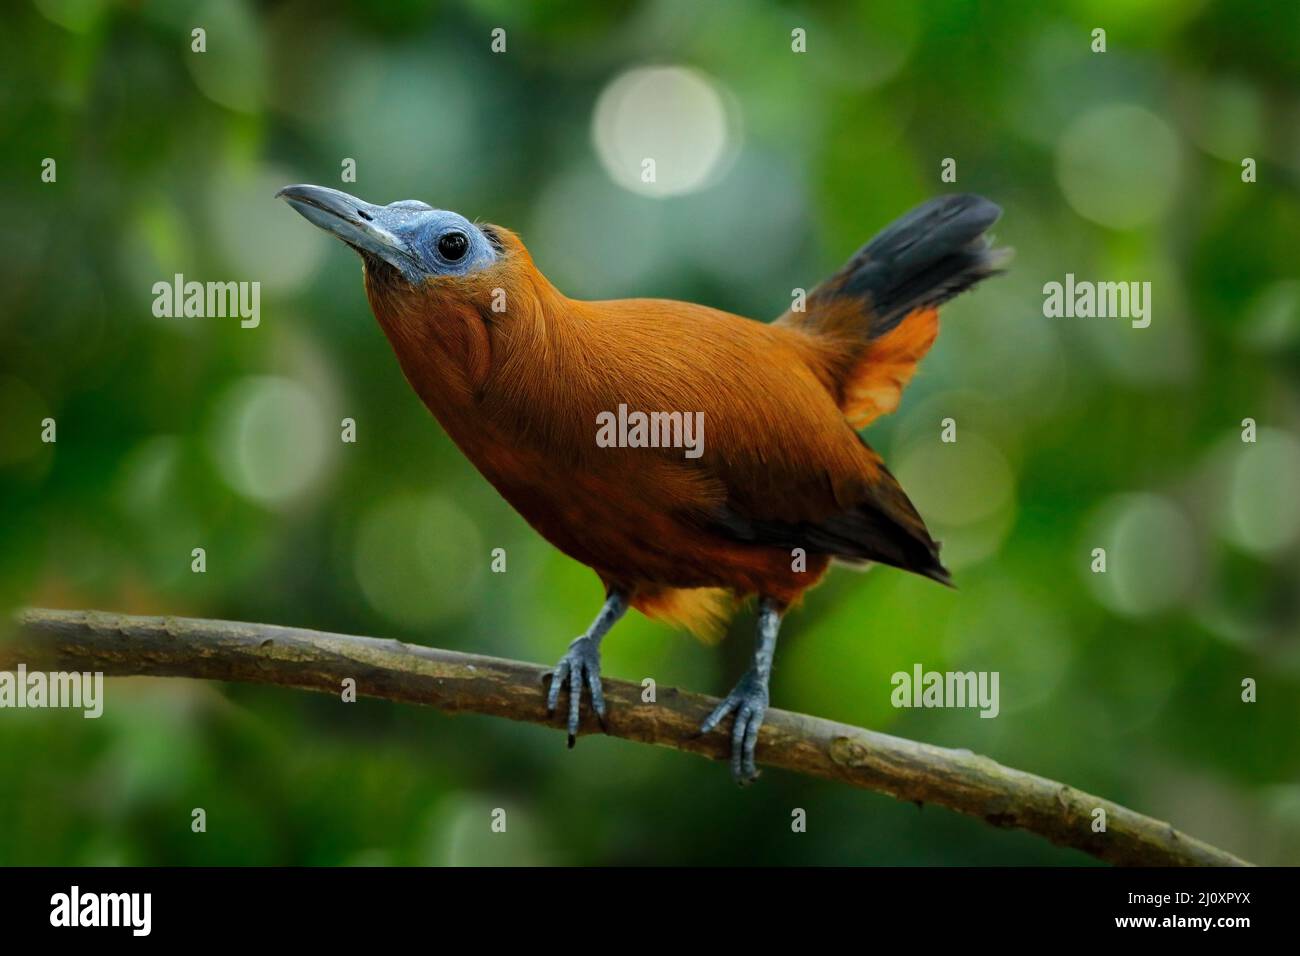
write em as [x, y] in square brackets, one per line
[121, 645]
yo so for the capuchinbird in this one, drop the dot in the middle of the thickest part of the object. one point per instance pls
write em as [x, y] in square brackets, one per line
[522, 378]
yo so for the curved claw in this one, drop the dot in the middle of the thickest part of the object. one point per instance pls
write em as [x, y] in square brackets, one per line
[578, 667]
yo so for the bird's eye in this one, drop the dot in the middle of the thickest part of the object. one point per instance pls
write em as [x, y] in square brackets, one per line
[452, 246]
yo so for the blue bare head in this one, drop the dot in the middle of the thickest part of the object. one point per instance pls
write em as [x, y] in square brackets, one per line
[420, 242]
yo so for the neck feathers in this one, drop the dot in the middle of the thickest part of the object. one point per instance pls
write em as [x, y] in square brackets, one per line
[478, 343]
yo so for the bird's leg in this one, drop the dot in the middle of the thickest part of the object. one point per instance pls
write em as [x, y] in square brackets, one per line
[749, 697]
[581, 664]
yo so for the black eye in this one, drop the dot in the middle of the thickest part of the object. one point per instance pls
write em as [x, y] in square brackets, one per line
[452, 246]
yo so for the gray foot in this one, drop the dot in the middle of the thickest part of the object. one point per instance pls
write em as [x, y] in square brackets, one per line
[581, 664]
[749, 701]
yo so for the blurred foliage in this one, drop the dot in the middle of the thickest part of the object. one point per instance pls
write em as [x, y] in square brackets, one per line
[1073, 433]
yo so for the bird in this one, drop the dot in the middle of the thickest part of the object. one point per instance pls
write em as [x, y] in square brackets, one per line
[779, 482]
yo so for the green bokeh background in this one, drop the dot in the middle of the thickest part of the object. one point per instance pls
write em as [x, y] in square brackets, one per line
[1072, 433]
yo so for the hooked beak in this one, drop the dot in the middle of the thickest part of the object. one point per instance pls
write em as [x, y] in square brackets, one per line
[365, 227]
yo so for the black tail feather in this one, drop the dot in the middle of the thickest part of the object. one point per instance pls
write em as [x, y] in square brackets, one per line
[922, 259]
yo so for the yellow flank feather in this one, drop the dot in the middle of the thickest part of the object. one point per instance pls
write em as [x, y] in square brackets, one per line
[702, 611]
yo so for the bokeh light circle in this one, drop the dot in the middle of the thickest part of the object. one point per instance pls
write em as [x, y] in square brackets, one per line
[419, 559]
[269, 438]
[674, 116]
[261, 238]
[965, 491]
[986, 483]
[1151, 554]
[1263, 508]
[1119, 165]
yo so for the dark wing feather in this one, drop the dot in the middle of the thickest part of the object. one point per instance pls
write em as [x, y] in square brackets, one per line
[883, 527]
